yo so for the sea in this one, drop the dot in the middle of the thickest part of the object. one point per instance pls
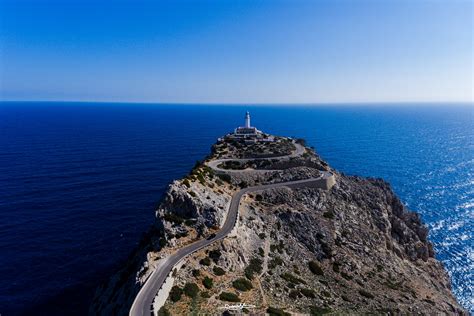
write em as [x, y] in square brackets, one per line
[79, 182]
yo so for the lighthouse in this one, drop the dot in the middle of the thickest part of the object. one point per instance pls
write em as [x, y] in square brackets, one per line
[249, 134]
[247, 120]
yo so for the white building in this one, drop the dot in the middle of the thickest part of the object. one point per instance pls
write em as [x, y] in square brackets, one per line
[246, 131]
[249, 133]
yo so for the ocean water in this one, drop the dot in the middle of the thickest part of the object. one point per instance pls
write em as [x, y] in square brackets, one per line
[79, 182]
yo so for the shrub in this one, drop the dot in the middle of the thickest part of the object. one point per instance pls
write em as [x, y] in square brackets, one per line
[186, 183]
[318, 311]
[201, 179]
[273, 311]
[163, 312]
[336, 267]
[292, 278]
[205, 294]
[346, 276]
[196, 273]
[294, 294]
[315, 268]
[308, 293]
[277, 261]
[261, 235]
[205, 261]
[243, 184]
[261, 252]
[242, 284]
[218, 271]
[173, 218]
[366, 294]
[162, 242]
[192, 193]
[328, 214]
[229, 297]
[176, 293]
[259, 197]
[224, 177]
[325, 294]
[255, 266]
[215, 255]
[207, 282]
[190, 221]
[191, 290]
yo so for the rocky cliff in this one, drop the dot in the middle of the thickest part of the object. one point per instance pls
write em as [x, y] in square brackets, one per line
[352, 249]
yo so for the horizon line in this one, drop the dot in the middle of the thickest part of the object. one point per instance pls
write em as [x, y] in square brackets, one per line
[372, 103]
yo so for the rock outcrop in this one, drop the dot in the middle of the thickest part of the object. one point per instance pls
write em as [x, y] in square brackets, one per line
[353, 249]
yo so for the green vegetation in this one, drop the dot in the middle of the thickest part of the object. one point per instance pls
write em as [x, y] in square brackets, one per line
[243, 184]
[277, 261]
[201, 179]
[242, 284]
[366, 294]
[215, 255]
[229, 297]
[218, 271]
[191, 290]
[346, 276]
[255, 266]
[164, 312]
[315, 268]
[186, 183]
[292, 278]
[328, 214]
[336, 267]
[196, 273]
[205, 294]
[176, 293]
[259, 197]
[308, 293]
[318, 311]
[224, 177]
[273, 311]
[261, 252]
[207, 282]
[261, 235]
[192, 193]
[280, 247]
[173, 218]
[325, 293]
[162, 242]
[205, 261]
[393, 285]
[294, 294]
[190, 221]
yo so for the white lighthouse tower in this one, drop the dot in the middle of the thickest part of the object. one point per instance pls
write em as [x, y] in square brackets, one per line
[248, 133]
[247, 120]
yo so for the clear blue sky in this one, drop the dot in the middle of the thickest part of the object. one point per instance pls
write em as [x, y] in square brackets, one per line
[236, 51]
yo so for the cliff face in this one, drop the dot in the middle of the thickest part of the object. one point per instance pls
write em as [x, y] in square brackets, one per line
[353, 248]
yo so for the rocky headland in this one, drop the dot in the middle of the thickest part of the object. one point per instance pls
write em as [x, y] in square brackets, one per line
[350, 247]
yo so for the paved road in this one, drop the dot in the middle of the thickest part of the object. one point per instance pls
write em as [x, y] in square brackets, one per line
[215, 163]
[143, 302]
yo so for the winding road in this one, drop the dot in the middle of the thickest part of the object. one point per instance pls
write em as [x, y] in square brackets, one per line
[143, 303]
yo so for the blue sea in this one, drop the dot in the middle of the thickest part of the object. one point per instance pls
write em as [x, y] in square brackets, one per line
[79, 182]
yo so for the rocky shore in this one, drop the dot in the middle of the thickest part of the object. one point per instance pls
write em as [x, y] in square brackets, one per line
[352, 249]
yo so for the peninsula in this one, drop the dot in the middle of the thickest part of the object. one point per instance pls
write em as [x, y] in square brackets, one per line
[264, 225]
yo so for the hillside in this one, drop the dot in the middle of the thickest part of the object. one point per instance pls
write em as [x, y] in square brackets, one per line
[344, 245]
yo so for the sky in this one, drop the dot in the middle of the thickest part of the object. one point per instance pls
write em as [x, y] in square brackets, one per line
[225, 51]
